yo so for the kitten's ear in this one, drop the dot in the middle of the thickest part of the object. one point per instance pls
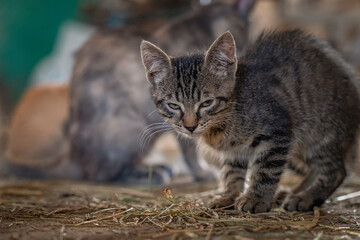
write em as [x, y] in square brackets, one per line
[156, 62]
[220, 59]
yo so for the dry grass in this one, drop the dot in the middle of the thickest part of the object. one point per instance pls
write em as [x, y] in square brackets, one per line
[68, 210]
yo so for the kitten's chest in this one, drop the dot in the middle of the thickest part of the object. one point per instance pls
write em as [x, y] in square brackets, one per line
[222, 145]
[216, 138]
[224, 139]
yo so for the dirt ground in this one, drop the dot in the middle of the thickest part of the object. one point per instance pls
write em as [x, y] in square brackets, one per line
[32, 209]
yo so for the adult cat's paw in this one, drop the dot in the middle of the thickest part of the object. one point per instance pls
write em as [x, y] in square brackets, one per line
[300, 203]
[222, 201]
[247, 203]
[204, 176]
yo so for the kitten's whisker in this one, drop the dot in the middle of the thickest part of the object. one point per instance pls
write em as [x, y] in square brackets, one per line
[157, 123]
[150, 114]
[146, 141]
[146, 132]
[143, 133]
[148, 127]
[149, 131]
[177, 136]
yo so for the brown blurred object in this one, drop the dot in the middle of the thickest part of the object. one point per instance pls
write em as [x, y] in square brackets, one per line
[35, 137]
[2, 116]
[4, 110]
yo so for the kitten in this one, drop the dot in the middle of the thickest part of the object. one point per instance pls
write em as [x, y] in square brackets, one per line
[110, 104]
[288, 100]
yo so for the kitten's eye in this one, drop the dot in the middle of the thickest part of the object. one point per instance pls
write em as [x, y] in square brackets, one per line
[206, 103]
[173, 106]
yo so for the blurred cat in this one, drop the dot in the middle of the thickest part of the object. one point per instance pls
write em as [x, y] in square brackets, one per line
[110, 107]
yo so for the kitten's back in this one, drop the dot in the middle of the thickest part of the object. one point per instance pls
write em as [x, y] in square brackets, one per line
[306, 69]
[310, 80]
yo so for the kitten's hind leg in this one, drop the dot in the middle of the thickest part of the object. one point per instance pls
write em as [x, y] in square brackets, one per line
[326, 174]
[283, 192]
[232, 179]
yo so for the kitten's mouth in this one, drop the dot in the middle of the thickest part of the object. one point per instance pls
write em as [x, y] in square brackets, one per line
[194, 134]
[187, 134]
[190, 134]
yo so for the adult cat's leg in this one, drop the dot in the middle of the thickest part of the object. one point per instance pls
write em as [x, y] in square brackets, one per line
[135, 171]
[139, 175]
[232, 178]
[264, 175]
[327, 172]
[188, 148]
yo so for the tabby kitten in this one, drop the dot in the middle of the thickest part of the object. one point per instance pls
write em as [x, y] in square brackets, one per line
[289, 100]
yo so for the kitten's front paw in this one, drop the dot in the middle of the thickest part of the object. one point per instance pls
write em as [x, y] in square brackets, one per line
[251, 204]
[300, 203]
[222, 201]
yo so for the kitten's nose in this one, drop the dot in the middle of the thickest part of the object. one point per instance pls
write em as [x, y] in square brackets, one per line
[190, 128]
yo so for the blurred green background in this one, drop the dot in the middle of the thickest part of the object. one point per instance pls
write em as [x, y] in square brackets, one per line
[28, 32]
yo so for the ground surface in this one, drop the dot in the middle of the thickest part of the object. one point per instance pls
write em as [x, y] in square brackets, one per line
[73, 210]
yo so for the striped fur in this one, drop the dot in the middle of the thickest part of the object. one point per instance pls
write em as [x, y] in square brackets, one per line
[288, 101]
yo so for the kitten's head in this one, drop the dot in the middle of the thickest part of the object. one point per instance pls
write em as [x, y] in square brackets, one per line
[192, 93]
